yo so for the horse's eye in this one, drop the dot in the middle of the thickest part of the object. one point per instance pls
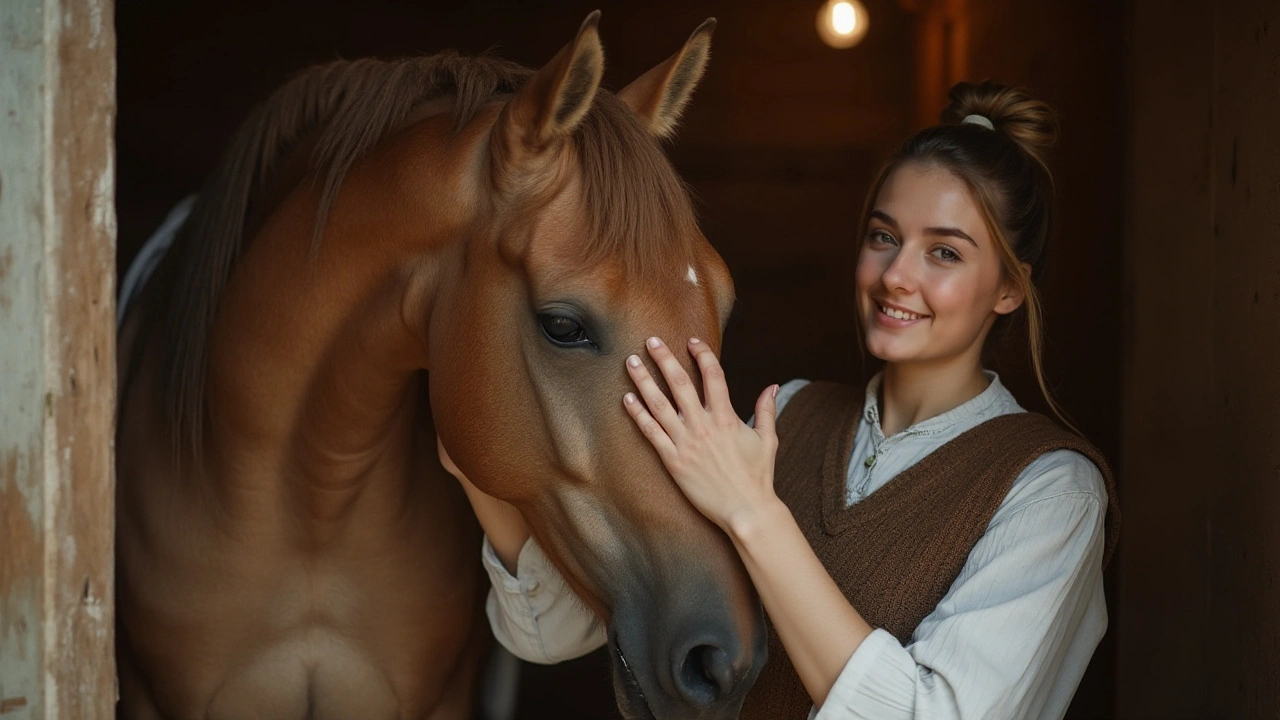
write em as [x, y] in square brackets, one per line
[563, 330]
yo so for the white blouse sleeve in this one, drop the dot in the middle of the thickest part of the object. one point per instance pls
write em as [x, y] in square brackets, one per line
[535, 615]
[1013, 635]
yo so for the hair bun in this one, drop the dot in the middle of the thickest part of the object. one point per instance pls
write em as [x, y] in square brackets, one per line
[1012, 111]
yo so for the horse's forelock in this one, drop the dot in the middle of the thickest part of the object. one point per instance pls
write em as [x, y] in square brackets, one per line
[638, 209]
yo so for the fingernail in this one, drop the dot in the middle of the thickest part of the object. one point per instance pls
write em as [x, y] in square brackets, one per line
[775, 392]
[694, 341]
[634, 361]
[629, 398]
[654, 342]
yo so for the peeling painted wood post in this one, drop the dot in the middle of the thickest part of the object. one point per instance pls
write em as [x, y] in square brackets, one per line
[57, 359]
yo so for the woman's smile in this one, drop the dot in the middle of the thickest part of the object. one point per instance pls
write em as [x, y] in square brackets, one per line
[892, 316]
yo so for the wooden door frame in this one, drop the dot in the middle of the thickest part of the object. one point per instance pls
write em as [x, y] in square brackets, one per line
[57, 358]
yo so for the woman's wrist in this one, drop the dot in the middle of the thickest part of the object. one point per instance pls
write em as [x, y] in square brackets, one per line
[747, 525]
[507, 545]
[502, 524]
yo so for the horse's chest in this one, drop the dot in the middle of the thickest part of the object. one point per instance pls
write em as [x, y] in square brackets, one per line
[313, 675]
[366, 628]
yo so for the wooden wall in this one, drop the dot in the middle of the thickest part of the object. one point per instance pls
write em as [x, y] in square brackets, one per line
[1200, 601]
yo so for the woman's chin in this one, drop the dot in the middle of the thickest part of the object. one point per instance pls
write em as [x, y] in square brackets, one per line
[891, 352]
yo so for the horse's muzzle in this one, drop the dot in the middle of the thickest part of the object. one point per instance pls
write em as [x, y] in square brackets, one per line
[694, 667]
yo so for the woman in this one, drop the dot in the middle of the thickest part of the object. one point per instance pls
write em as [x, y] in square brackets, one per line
[926, 549]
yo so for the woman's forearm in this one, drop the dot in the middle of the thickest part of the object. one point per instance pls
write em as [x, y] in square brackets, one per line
[818, 627]
[502, 524]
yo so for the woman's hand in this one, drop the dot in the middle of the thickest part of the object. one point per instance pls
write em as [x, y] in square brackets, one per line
[726, 469]
[723, 466]
[502, 522]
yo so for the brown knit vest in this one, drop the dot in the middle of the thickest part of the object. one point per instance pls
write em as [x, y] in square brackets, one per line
[895, 553]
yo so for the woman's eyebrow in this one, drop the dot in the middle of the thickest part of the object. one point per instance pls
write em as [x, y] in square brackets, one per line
[943, 231]
[884, 217]
[950, 232]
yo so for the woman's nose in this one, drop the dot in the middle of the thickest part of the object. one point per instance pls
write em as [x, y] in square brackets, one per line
[900, 273]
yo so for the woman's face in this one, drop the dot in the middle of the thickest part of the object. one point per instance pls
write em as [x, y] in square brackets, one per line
[929, 277]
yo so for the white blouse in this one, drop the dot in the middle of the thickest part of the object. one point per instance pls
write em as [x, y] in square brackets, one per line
[1011, 638]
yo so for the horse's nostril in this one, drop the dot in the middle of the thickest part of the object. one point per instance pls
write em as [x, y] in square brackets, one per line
[705, 675]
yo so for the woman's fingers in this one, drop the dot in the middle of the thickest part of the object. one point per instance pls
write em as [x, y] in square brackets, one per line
[651, 428]
[713, 383]
[682, 388]
[767, 413]
[658, 406]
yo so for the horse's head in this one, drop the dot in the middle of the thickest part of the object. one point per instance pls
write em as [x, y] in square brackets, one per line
[582, 245]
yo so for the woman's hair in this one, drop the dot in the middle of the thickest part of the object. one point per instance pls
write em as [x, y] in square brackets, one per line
[1007, 173]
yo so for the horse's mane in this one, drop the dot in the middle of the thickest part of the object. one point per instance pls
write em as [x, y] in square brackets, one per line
[637, 207]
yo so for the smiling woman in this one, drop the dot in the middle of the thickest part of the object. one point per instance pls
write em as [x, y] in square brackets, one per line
[923, 549]
[985, 169]
[927, 272]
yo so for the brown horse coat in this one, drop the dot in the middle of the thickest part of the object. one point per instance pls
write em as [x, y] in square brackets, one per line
[390, 251]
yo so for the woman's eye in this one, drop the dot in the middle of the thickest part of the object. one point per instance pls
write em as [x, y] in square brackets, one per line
[563, 330]
[880, 236]
[946, 254]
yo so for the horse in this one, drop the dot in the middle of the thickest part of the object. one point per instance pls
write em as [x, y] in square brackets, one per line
[387, 254]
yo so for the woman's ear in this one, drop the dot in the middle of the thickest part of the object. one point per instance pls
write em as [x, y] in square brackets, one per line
[1012, 295]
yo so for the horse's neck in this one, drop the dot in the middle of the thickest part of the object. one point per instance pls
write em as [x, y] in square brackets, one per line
[312, 372]
[315, 355]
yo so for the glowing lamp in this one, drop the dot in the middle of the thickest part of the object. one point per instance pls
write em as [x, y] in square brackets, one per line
[842, 23]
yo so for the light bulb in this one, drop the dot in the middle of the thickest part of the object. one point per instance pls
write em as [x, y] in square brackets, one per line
[842, 23]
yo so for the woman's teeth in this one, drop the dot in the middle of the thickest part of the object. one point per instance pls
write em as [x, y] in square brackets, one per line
[899, 314]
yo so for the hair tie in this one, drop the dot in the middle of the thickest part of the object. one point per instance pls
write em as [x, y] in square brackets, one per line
[978, 120]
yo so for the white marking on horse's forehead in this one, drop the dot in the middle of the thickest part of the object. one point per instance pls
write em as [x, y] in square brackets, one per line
[692, 276]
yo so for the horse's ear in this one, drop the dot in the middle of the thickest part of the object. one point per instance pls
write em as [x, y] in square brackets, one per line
[660, 95]
[550, 104]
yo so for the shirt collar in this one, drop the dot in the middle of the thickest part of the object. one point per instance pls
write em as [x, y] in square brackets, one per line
[995, 400]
